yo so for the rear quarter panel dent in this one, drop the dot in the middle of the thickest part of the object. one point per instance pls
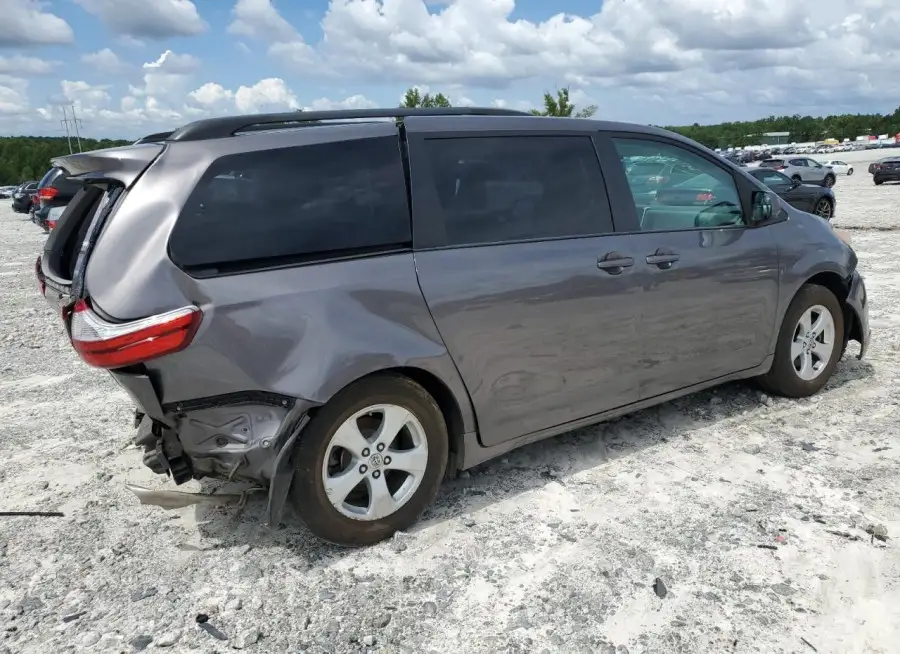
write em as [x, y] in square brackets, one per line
[308, 332]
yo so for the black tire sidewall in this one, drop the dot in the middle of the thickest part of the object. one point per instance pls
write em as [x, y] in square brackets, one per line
[829, 180]
[308, 493]
[782, 379]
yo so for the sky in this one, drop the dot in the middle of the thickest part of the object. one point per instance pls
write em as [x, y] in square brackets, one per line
[132, 67]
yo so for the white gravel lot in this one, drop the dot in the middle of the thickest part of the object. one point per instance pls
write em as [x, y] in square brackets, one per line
[752, 510]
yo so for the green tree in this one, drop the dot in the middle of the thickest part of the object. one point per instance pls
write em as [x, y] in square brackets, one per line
[26, 158]
[414, 99]
[560, 105]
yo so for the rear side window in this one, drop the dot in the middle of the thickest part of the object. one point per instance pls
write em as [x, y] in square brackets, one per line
[294, 205]
[772, 163]
[513, 188]
[49, 176]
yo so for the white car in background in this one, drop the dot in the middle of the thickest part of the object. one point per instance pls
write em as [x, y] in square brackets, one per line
[839, 167]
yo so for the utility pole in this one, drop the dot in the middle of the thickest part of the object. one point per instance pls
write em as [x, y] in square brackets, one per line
[65, 123]
[75, 121]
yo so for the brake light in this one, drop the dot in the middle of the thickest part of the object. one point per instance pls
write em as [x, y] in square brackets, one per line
[51, 224]
[110, 345]
[705, 197]
[47, 193]
[876, 166]
[42, 285]
[781, 168]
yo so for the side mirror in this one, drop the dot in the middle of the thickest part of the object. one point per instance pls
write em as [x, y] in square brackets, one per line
[762, 207]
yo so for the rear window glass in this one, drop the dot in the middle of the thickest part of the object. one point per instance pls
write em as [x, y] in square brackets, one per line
[49, 176]
[771, 163]
[297, 203]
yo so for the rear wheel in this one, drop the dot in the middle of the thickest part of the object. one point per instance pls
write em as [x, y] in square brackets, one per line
[829, 181]
[824, 208]
[797, 178]
[809, 346]
[878, 182]
[849, 172]
[370, 461]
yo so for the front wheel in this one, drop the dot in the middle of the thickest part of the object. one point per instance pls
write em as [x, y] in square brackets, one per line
[809, 345]
[370, 461]
[824, 209]
[878, 182]
[849, 172]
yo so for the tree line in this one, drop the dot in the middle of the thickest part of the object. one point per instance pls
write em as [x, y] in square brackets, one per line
[25, 158]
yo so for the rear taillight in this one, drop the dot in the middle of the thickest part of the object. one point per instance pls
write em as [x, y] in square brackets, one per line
[42, 285]
[705, 197]
[781, 168]
[876, 166]
[51, 224]
[110, 345]
[47, 193]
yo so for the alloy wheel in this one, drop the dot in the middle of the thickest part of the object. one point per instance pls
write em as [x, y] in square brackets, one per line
[813, 344]
[375, 462]
[823, 209]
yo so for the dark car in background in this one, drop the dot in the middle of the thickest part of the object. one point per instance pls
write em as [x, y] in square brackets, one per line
[22, 197]
[54, 190]
[885, 170]
[811, 198]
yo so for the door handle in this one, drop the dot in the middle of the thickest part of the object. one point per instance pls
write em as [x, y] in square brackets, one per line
[614, 263]
[662, 259]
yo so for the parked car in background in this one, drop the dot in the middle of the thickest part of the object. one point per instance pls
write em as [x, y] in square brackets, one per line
[885, 170]
[54, 190]
[22, 197]
[811, 198]
[802, 169]
[839, 167]
[290, 307]
[7, 191]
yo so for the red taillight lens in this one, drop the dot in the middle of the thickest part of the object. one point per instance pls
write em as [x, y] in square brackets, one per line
[876, 166]
[705, 197]
[781, 168]
[42, 285]
[51, 224]
[110, 345]
[47, 193]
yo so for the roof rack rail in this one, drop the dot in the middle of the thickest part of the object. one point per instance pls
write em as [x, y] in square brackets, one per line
[214, 128]
[154, 138]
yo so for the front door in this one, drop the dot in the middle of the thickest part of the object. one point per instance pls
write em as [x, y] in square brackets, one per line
[710, 282]
[518, 263]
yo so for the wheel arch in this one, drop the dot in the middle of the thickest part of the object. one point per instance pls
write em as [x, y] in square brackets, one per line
[840, 287]
[452, 407]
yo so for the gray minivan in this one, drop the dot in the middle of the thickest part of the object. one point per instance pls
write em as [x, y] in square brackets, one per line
[347, 307]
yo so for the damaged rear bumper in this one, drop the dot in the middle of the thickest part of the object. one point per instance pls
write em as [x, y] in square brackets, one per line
[241, 436]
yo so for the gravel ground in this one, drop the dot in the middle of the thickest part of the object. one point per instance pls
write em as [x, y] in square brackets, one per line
[751, 511]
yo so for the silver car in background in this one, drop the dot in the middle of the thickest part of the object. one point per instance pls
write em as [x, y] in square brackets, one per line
[802, 169]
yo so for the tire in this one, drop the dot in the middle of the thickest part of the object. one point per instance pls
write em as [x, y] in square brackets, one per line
[878, 182]
[783, 378]
[797, 178]
[829, 181]
[352, 525]
[849, 172]
[824, 208]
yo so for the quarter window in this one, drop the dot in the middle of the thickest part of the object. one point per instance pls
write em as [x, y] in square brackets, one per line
[500, 189]
[295, 204]
[691, 192]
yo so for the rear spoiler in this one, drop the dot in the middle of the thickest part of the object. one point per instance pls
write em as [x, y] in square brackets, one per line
[124, 164]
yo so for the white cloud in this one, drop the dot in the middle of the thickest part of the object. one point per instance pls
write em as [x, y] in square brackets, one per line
[174, 64]
[85, 95]
[260, 20]
[13, 96]
[19, 22]
[724, 51]
[270, 94]
[353, 102]
[150, 19]
[19, 65]
[105, 61]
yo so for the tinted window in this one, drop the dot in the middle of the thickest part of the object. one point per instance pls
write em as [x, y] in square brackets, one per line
[294, 204]
[49, 176]
[699, 193]
[771, 177]
[496, 189]
[771, 163]
[798, 162]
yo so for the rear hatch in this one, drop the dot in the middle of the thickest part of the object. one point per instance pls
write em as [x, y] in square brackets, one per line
[104, 177]
[884, 165]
